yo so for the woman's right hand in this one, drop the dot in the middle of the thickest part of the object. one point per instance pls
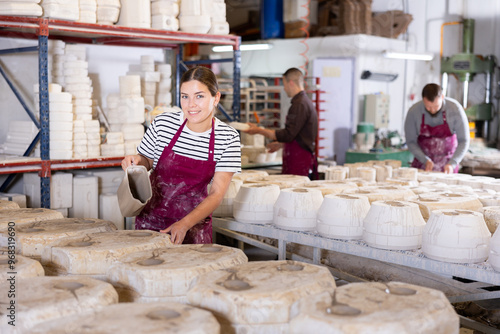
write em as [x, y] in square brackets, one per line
[130, 160]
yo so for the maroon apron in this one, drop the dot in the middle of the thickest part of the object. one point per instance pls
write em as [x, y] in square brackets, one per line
[296, 160]
[438, 143]
[179, 184]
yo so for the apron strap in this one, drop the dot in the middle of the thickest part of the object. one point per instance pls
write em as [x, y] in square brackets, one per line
[211, 145]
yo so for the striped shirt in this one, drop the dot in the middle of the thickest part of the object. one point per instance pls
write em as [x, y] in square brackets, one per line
[192, 144]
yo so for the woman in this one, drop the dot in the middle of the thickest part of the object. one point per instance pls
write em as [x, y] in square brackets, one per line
[187, 150]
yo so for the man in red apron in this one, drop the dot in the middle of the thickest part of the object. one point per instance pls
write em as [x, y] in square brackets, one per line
[298, 138]
[181, 148]
[437, 132]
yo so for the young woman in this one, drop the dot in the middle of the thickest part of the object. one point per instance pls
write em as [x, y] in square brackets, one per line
[187, 150]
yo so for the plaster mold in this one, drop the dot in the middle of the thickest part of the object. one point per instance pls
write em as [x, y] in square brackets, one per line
[26, 216]
[489, 200]
[248, 173]
[254, 203]
[378, 308]
[167, 273]
[8, 205]
[24, 267]
[259, 297]
[296, 209]
[329, 186]
[393, 163]
[225, 208]
[33, 238]
[494, 258]
[383, 172]
[382, 193]
[282, 180]
[47, 298]
[367, 173]
[476, 182]
[492, 217]
[341, 216]
[439, 201]
[406, 173]
[394, 225]
[457, 236]
[337, 173]
[94, 253]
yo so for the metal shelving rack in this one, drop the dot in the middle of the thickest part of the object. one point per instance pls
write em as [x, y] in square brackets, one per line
[75, 32]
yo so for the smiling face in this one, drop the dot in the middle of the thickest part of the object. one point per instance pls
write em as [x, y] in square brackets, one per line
[198, 105]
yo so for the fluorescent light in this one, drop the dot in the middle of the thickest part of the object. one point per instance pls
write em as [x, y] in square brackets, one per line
[243, 47]
[408, 55]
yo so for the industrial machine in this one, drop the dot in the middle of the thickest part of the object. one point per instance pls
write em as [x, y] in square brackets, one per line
[464, 66]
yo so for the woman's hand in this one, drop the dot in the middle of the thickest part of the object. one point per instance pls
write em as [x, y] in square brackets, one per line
[177, 232]
[136, 160]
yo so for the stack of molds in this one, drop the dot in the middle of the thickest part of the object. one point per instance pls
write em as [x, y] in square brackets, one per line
[149, 78]
[42, 299]
[85, 197]
[18, 217]
[108, 11]
[164, 94]
[153, 318]
[23, 267]
[401, 181]
[21, 8]
[249, 173]
[439, 201]
[341, 216]
[219, 25]
[135, 13]
[454, 179]
[114, 145]
[19, 137]
[330, 186]
[225, 208]
[132, 136]
[8, 205]
[296, 209]
[195, 16]
[32, 238]
[492, 217]
[282, 180]
[406, 173]
[494, 258]
[67, 10]
[493, 185]
[93, 253]
[393, 163]
[458, 236]
[378, 308]
[382, 193]
[88, 11]
[254, 203]
[393, 225]
[61, 190]
[19, 199]
[56, 49]
[423, 176]
[109, 209]
[92, 129]
[259, 297]
[166, 274]
[337, 173]
[489, 200]
[164, 15]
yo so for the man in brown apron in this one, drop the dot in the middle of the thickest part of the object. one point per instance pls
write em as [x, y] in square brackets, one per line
[298, 138]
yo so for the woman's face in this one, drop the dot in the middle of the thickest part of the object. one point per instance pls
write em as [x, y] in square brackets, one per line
[198, 105]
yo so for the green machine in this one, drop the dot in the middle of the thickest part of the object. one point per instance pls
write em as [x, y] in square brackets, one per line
[464, 66]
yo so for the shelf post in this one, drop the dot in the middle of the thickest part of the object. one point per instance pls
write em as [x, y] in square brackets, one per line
[43, 81]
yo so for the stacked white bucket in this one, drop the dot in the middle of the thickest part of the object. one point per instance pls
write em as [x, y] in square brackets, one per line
[68, 10]
[125, 114]
[135, 13]
[164, 92]
[88, 11]
[108, 11]
[60, 122]
[164, 15]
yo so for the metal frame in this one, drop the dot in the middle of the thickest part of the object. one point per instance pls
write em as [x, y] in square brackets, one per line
[76, 32]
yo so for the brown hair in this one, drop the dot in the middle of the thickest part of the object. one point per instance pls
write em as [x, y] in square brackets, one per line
[203, 75]
[431, 91]
[295, 75]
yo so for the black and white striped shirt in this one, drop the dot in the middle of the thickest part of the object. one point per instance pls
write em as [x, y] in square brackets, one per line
[192, 144]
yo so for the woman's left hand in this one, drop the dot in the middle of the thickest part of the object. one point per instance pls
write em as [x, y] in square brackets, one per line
[177, 232]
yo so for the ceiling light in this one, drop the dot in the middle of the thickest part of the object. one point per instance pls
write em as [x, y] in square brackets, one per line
[408, 55]
[243, 47]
